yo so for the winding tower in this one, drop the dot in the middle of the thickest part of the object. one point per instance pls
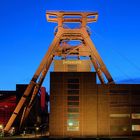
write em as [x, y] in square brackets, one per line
[64, 46]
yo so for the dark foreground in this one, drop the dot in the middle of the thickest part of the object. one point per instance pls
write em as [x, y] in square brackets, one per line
[47, 138]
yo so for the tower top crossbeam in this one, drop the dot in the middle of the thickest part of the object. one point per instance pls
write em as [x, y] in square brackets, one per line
[71, 17]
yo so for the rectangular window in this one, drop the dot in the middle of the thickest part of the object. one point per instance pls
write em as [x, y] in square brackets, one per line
[73, 115]
[73, 98]
[72, 110]
[72, 125]
[135, 92]
[119, 91]
[73, 80]
[73, 103]
[73, 92]
[117, 128]
[135, 127]
[73, 86]
[72, 68]
[120, 115]
[135, 115]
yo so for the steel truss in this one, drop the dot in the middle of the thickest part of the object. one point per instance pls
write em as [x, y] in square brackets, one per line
[61, 47]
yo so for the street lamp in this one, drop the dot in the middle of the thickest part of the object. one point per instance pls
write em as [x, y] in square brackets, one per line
[36, 131]
[1, 130]
[1, 126]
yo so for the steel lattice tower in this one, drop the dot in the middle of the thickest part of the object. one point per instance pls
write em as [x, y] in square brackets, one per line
[60, 47]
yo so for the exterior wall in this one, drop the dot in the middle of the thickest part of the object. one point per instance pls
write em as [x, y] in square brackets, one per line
[57, 105]
[120, 110]
[86, 114]
[72, 65]
[103, 126]
[88, 105]
[135, 109]
[104, 110]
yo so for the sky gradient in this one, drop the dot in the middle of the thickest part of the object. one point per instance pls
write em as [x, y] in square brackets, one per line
[25, 36]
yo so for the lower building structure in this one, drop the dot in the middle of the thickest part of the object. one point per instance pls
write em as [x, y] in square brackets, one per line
[38, 116]
[79, 107]
[7, 105]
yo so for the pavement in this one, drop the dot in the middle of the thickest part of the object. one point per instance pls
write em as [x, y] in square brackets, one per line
[46, 137]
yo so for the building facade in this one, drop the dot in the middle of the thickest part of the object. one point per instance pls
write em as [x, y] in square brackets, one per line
[38, 115]
[81, 108]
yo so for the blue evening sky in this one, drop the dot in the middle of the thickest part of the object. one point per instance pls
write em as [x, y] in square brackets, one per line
[25, 36]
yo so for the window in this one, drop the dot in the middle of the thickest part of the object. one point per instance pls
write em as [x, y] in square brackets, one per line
[73, 80]
[119, 115]
[119, 91]
[73, 98]
[135, 127]
[73, 86]
[73, 115]
[135, 116]
[72, 68]
[72, 125]
[73, 92]
[135, 91]
[117, 128]
[73, 103]
[73, 110]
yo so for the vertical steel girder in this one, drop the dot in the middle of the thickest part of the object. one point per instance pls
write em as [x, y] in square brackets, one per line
[38, 78]
[95, 54]
[34, 85]
[35, 92]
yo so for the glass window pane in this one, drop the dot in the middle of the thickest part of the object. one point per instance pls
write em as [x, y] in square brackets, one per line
[72, 122]
[73, 80]
[73, 103]
[136, 116]
[73, 98]
[72, 68]
[72, 128]
[118, 128]
[73, 109]
[72, 125]
[119, 91]
[135, 127]
[119, 115]
[73, 86]
[73, 91]
[75, 115]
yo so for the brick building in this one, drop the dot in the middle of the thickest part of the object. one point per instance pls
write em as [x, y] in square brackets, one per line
[82, 108]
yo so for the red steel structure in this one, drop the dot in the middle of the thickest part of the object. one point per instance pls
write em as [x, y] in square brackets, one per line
[7, 106]
[43, 98]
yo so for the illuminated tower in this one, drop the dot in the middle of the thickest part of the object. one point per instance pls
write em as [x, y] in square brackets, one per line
[63, 46]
